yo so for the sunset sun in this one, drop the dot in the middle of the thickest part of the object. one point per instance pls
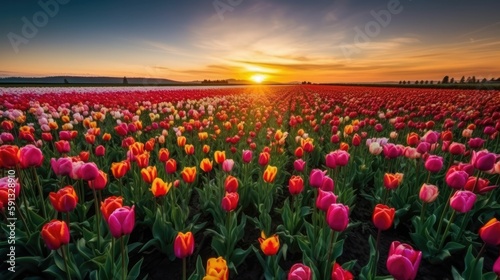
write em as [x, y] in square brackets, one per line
[258, 78]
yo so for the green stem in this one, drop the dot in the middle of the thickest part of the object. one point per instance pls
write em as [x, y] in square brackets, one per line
[112, 255]
[97, 217]
[23, 219]
[464, 223]
[124, 271]
[447, 229]
[377, 245]
[68, 275]
[428, 177]
[333, 240]
[445, 210]
[422, 212]
[42, 198]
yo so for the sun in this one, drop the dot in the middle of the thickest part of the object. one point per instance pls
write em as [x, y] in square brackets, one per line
[258, 78]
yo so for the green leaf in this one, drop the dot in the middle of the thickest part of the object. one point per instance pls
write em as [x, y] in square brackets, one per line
[135, 271]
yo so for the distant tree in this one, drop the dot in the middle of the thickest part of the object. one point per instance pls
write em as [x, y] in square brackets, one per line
[452, 80]
[484, 80]
[426, 82]
[125, 81]
[446, 80]
[462, 80]
[400, 82]
[473, 80]
[416, 82]
[438, 82]
[404, 82]
[492, 80]
[468, 80]
[421, 82]
[432, 82]
[66, 81]
[498, 79]
[309, 83]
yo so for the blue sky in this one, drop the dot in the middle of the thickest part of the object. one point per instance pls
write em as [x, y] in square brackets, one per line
[280, 40]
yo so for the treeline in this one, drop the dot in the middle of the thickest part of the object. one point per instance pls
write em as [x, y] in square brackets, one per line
[448, 80]
[214, 81]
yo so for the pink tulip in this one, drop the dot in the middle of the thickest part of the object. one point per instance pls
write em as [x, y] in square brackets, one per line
[483, 160]
[299, 165]
[88, 171]
[456, 179]
[247, 156]
[337, 216]
[325, 199]
[434, 163]
[428, 193]
[463, 201]
[316, 178]
[496, 267]
[227, 165]
[327, 185]
[299, 271]
[392, 151]
[61, 166]
[403, 261]
[121, 221]
[31, 156]
[475, 143]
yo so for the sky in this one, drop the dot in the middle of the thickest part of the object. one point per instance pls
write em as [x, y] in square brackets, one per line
[273, 40]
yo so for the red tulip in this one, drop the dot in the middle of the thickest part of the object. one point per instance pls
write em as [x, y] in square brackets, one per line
[230, 201]
[338, 273]
[184, 245]
[64, 200]
[383, 216]
[55, 234]
[231, 184]
[9, 156]
[490, 232]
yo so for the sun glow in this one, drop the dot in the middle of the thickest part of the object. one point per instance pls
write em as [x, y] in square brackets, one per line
[258, 78]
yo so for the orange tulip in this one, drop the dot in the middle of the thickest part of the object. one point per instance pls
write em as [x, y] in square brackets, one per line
[150, 145]
[202, 136]
[149, 174]
[206, 165]
[64, 200]
[206, 149]
[392, 180]
[9, 156]
[109, 205]
[159, 187]
[216, 269]
[189, 174]
[270, 174]
[189, 149]
[142, 160]
[269, 245]
[163, 154]
[181, 141]
[119, 169]
[220, 156]
[136, 148]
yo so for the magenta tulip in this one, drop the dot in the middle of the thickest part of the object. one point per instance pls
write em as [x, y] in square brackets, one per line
[31, 156]
[299, 165]
[316, 178]
[337, 216]
[299, 271]
[403, 261]
[483, 160]
[121, 221]
[61, 166]
[463, 201]
[434, 163]
[325, 199]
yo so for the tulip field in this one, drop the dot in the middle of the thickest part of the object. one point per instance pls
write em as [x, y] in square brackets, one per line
[249, 182]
